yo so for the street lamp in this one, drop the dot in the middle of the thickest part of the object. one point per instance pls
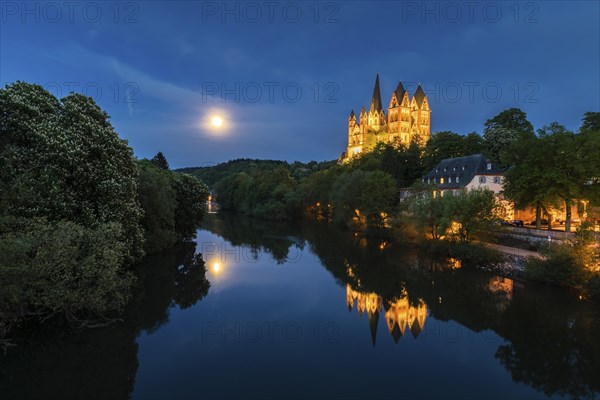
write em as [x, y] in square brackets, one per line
[585, 203]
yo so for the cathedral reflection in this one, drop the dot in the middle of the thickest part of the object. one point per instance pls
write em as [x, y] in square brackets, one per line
[399, 313]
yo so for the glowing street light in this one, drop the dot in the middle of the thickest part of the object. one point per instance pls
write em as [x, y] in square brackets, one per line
[585, 203]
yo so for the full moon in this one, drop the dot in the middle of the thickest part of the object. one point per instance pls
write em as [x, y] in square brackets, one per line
[216, 121]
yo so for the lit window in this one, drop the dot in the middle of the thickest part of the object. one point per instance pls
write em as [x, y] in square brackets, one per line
[442, 179]
[482, 179]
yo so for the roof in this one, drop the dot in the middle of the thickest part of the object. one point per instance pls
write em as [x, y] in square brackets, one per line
[419, 96]
[376, 100]
[463, 167]
[400, 92]
[352, 114]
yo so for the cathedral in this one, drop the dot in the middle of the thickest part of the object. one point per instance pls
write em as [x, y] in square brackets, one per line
[407, 120]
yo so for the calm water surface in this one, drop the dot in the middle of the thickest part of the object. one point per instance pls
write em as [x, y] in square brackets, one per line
[296, 311]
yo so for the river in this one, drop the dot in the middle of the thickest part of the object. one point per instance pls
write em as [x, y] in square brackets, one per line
[303, 310]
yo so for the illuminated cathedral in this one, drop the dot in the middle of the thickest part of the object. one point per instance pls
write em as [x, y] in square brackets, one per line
[407, 120]
[399, 314]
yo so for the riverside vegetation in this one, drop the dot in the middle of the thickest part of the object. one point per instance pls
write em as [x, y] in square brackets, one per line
[549, 168]
[78, 211]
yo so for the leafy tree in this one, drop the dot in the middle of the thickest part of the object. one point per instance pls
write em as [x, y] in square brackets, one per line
[269, 194]
[454, 216]
[191, 195]
[564, 170]
[60, 267]
[430, 216]
[365, 197]
[472, 212]
[502, 130]
[589, 154]
[446, 144]
[160, 161]
[158, 200]
[64, 161]
[525, 181]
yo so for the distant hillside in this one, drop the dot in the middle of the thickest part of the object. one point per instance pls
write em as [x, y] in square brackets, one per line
[213, 174]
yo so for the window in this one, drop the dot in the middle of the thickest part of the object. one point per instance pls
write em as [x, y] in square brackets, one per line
[442, 179]
[489, 166]
[497, 179]
[450, 180]
[456, 192]
[457, 179]
[482, 179]
[463, 167]
[454, 169]
[428, 180]
[444, 169]
[436, 171]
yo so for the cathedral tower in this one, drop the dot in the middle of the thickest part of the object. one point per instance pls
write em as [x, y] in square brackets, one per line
[407, 120]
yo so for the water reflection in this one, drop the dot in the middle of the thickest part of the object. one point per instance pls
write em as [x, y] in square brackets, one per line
[53, 362]
[398, 313]
[550, 338]
[544, 338]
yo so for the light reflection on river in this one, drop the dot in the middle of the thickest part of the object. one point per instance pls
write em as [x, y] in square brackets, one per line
[288, 311]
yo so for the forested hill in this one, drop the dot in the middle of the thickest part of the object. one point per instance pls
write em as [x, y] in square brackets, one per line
[214, 173]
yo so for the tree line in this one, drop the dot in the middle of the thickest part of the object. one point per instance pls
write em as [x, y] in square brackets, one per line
[553, 167]
[77, 209]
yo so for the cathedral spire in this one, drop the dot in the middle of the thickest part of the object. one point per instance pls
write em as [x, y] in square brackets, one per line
[376, 100]
[419, 96]
[399, 92]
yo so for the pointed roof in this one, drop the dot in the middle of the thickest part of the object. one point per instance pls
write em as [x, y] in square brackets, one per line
[376, 99]
[419, 95]
[352, 113]
[399, 92]
[396, 333]
[415, 329]
[363, 110]
[373, 320]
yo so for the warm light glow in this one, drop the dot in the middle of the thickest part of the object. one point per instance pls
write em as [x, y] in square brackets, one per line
[216, 267]
[216, 121]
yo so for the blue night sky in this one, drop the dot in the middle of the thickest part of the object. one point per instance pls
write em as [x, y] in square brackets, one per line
[285, 76]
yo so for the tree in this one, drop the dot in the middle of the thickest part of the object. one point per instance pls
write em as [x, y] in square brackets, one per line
[191, 195]
[455, 216]
[525, 180]
[471, 211]
[502, 130]
[589, 153]
[446, 144]
[365, 197]
[160, 161]
[157, 197]
[62, 160]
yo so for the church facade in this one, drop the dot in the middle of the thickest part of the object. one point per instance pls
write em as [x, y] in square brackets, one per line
[407, 120]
